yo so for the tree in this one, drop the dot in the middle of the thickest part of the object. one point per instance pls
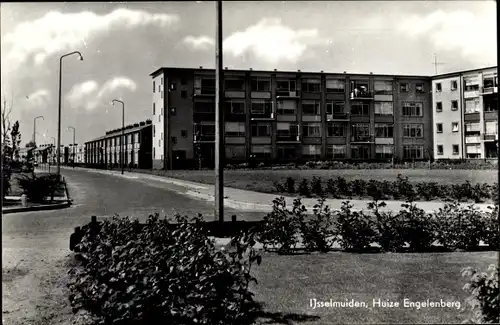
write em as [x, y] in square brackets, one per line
[6, 123]
[5, 145]
[15, 136]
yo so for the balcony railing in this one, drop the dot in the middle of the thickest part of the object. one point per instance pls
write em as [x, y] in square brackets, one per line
[361, 95]
[204, 138]
[337, 117]
[288, 138]
[471, 94]
[205, 91]
[490, 137]
[473, 139]
[285, 93]
[362, 138]
[489, 90]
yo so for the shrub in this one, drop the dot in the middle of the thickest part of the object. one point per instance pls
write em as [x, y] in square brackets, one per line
[424, 191]
[6, 177]
[494, 193]
[316, 186]
[278, 187]
[38, 189]
[389, 228]
[280, 227]
[304, 189]
[458, 227]
[491, 232]
[358, 187]
[290, 185]
[151, 274]
[484, 298]
[355, 229]
[318, 233]
[374, 190]
[418, 227]
[331, 187]
[343, 186]
[404, 188]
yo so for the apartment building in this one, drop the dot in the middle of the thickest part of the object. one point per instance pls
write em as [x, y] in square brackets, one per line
[46, 153]
[106, 151]
[288, 116]
[76, 154]
[465, 114]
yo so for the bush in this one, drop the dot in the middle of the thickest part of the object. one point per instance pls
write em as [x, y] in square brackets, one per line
[331, 187]
[38, 189]
[389, 227]
[316, 186]
[355, 229]
[404, 188]
[358, 187]
[491, 232]
[318, 233]
[280, 227]
[278, 187]
[304, 189]
[151, 275]
[418, 227]
[484, 298]
[290, 185]
[458, 227]
[343, 187]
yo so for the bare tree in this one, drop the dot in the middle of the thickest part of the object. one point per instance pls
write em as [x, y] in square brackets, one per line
[5, 120]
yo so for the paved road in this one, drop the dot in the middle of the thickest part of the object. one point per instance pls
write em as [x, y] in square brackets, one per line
[35, 244]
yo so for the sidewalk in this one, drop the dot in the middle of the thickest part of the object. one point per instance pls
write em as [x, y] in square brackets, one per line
[244, 200]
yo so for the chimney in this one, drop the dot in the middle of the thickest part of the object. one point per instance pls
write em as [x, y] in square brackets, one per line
[298, 70]
[275, 69]
[225, 68]
[201, 67]
[322, 71]
[371, 72]
[250, 69]
[345, 72]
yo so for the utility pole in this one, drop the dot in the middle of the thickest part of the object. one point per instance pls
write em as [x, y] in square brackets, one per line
[219, 118]
[436, 63]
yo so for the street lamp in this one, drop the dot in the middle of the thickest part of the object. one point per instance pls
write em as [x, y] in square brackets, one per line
[34, 127]
[74, 131]
[123, 131]
[59, 111]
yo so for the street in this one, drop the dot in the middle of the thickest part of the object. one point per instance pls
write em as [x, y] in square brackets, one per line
[35, 245]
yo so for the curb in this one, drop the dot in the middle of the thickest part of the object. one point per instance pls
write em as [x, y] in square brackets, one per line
[38, 208]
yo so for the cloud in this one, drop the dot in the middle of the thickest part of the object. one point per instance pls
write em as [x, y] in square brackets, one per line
[56, 32]
[90, 95]
[39, 97]
[462, 32]
[268, 40]
[198, 43]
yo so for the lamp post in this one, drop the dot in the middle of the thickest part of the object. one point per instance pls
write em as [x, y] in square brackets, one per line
[219, 118]
[59, 111]
[74, 131]
[34, 127]
[123, 131]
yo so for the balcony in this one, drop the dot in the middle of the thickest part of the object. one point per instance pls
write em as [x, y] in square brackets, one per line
[471, 94]
[362, 139]
[199, 138]
[490, 137]
[338, 117]
[285, 93]
[290, 138]
[361, 95]
[489, 91]
[204, 116]
[264, 114]
[473, 139]
[204, 92]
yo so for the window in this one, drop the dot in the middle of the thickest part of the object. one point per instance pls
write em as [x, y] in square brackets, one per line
[335, 107]
[336, 151]
[384, 130]
[260, 106]
[419, 88]
[159, 142]
[162, 80]
[261, 130]
[204, 108]
[473, 150]
[412, 109]
[404, 87]
[383, 87]
[287, 131]
[491, 105]
[261, 84]
[136, 137]
[235, 129]
[413, 152]
[311, 107]
[439, 127]
[472, 127]
[336, 130]
[384, 151]
[438, 87]
[360, 86]
[471, 106]
[207, 130]
[235, 152]
[413, 130]
[159, 118]
[234, 84]
[335, 86]
[154, 86]
[204, 85]
[184, 94]
[440, 150]
[471, 83]
[454, 126]
[455, 149]
[154, 109]
[489, 82]
[173, 86]
[360, 130]
[173, 111]
[453, 85]
[184, 133]
[162, 135]
[287, 107]
[491, 127]
[154, 133]
[454, 105]
[311, 151]
[235, 107]
[285, 85]
[311, 130]
[439, 107]
[311, 85]
[360, 151]
[287, 152]
[360, 109]
[261, 151]
[384, 108]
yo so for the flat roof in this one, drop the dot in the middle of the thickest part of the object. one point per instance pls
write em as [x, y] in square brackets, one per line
[119, 132]
[451, 74]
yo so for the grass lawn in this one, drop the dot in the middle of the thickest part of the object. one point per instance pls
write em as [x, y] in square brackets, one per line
[287, 283]
[262, 180]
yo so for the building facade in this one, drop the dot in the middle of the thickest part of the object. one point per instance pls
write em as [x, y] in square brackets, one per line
[76, 154]
[289, 116]
[465, 114]
[106, 151]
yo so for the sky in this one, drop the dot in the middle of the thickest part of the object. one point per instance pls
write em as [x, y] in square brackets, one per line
[122, 43]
